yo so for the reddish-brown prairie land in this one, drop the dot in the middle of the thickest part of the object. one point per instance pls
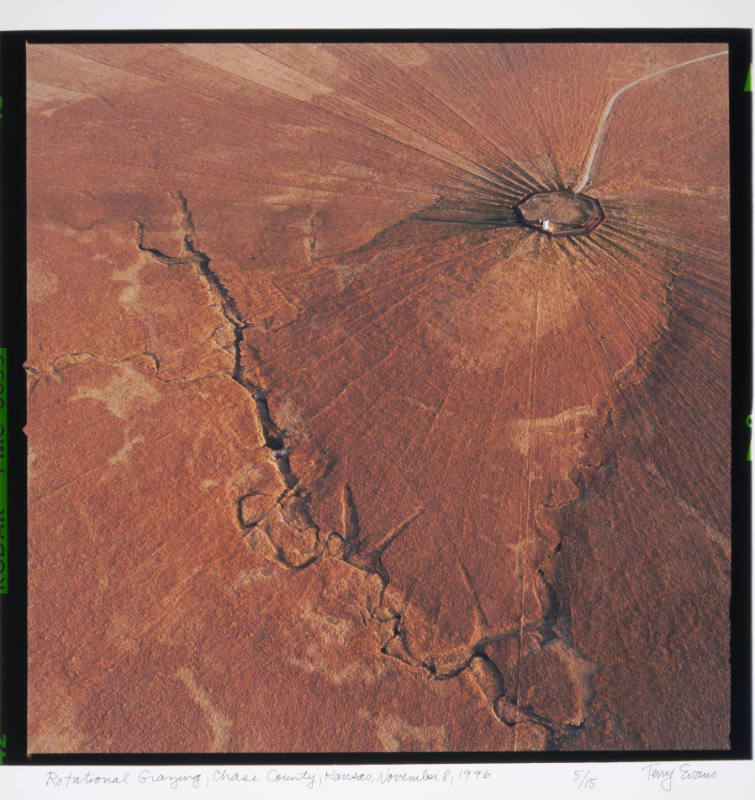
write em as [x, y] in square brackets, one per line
[328, 449]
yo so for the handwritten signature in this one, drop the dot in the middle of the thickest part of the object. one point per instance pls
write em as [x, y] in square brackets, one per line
[664, 774]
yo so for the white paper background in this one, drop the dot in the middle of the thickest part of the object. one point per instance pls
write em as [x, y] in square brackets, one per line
[78, 14]
[734, 780]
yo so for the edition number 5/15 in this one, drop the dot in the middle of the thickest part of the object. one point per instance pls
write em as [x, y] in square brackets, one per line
[583, 780]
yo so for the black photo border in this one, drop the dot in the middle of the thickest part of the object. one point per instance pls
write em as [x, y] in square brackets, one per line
[13, 606]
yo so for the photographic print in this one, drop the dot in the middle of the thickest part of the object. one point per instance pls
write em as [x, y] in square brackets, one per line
[379, 396]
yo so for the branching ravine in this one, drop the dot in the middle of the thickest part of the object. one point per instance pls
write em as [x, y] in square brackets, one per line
[294, 500]
[298, 541]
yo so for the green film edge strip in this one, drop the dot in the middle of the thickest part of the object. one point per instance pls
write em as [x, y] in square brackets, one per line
[3, 472]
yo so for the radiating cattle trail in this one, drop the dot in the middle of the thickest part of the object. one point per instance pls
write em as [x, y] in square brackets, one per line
[609, 107]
